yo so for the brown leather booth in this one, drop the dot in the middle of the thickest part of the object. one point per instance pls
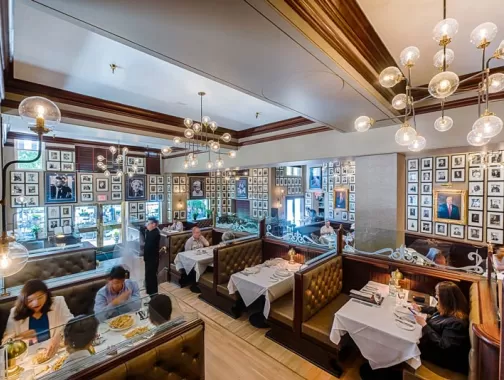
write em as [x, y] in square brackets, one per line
[229, 259]
[55, 264]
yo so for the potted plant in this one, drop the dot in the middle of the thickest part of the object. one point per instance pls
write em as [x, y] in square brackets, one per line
[35, 230]
[195, 215]
[116, 235]
[209, 214]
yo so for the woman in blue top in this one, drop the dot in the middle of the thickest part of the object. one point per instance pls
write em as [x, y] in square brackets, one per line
[37, 316]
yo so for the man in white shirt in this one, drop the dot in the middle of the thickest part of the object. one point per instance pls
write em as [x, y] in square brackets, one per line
[326, 229]
[177, 226]
[196, 241]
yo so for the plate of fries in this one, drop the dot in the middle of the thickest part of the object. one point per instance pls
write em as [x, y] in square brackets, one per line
[136, 331]
[122, 322]
[58, 363]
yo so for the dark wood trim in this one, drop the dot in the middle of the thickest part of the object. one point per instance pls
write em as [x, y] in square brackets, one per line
[464, 102]
[286, 135]
[273, 127]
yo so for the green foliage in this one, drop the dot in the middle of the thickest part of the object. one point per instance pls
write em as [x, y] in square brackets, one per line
[29, 155]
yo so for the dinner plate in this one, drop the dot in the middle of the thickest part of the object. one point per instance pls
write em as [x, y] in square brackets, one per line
[404, 325]
[273, 279]
[121, 328]
[251, 270]
[282, 273]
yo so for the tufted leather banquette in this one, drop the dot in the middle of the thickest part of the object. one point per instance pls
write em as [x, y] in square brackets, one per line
[54, 265]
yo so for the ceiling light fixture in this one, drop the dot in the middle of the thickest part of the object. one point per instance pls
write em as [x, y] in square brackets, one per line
[443, 85]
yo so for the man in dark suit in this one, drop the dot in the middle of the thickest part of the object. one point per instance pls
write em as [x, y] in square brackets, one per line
[448, 210]
[151, 256]
[60, 189]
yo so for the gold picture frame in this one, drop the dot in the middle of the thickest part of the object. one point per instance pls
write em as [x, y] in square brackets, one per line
[459, 206]
[343, 190]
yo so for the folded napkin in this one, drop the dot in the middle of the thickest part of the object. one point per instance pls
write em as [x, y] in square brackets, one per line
[368, 297]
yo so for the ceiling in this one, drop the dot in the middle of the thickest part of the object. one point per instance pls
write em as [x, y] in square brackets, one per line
[242, 52]
[400, 24]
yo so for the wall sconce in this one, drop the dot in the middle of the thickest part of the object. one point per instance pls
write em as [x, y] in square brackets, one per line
[291, 254]
[179, 204]
[282, 191]
[279, 203]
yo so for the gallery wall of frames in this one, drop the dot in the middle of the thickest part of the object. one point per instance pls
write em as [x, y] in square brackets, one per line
[456, 196]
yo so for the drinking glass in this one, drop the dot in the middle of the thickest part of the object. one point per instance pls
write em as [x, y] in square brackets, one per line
[401, 294]
[377, 297]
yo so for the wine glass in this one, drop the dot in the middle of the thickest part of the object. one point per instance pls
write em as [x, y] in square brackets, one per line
[377, 297]
[401, 294]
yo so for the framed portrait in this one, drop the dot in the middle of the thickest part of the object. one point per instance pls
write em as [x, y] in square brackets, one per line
[412, 212]
[141, 216]
[476, 174]
[60, 187]
[458, 161]
[116, 187]
[87, 197]
[152, 188]
[53, 212]
[254, 172]
[413, 164]
[441, 229]
[116, 179]
[183, 188]
[495, 174]
[450, 206]
[475, 218]
[456, 231]
[176, 188]
[160, 188]
[351, 217]
[412, 225]
[474, 233]
[426, 188]
[351, 206]
[50, 165]
[495, 204]
[141, 207]
[494, 220]
[133, 207]
[67, 156]
[495, 189]
[426, 176]
[17, 177]
[152, 180]
[412, 200]
[160, 180]
[52, 224]
[351, 197]
[135, 188]
[66, 222]
[475, 188]
[86, 178]
[426, 227]
[495, 157]
[183, 181]
[442, 162]
[31, 189]
[474, 159]
[66, 211]
[152, 197]
[458, 175]
[196, 188]
[176, 180]
[344, 215]
[341, 198]
[32, 177]
[140, 170]
[426, 213]
[17, 189]
[242, 188]
[495, 236]
[426, 163]
[315, 178]
[475, 203]
[182, 214]
[352, 188]
[168, 180]
[102, 184]
[53, 155]
[442, 176]
[412, 176]
[426, 200]
[67, 166]
[344, 180]
[86, 188]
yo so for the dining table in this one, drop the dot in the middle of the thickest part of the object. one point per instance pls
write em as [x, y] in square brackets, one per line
[197, 259]
[386, 334]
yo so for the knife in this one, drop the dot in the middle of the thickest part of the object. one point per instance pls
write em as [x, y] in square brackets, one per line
[363, 302]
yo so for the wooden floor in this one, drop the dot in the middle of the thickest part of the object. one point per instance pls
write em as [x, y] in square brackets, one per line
[235, 350]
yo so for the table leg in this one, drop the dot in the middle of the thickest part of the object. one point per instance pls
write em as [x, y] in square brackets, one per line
[256, 317]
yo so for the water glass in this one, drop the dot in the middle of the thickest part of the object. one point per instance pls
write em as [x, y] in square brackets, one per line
[401, 294]
[377, 297]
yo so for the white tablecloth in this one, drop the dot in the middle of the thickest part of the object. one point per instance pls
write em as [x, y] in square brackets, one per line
[190, 260]
[374, 331]
[252, 286]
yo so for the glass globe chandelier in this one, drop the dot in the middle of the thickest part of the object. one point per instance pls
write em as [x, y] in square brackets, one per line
[443, 85]
[200, 138]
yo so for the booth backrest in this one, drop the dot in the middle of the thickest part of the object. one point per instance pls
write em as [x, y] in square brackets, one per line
[178, 240]
[54, 265]
[321, 283]
[235, 258]
[474, 319]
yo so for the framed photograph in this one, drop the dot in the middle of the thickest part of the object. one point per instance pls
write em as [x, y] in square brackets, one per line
[495, 157]
[130, 160]
[426, 227]
[495, 189]
[458, 161]
[450, 206]
[160, 180]
[67, 156]
[66, 211]
[17, 189]
[495, 204]
[15, 202]
[412, 176]
[116, 187]
[352, 197]
[152, 180]
[426, 163]
[67, 167]
[442, 162]
[168, 180]
[495, 236]
[66, 222]
[494, 220]
[341, 198]
[140, 170]
[495, 174]
[352, 188]
[196, 188]
[50, 165]
[183, 181]
[32, 177]
[152, 188]
[152, 197]
[344, 215]
[60, 187]
[412, 200]
[475, 188]
[182, 214]
[183, 188]
[17, 177]
[426, 188]
[441, 229]
[141, 207]
[474, 159]
[412, 225]
[315, 178]
[53, 155]
[351, 217]
[31, 189]
[457, 231]
[87, 197]
[412, 212]
[441, 176]
[53, 223]
[475, 174]
[352, 207]
[176, 188]
[242, 188]
[32, 201]
[133, 207]
[86, 188]
[458, 175]
[53, 212]
[86, 178]
[426, 213]
[135, 188]
[475, 218]
[102, 184]
[426, 200]
[413, 164]
[475, 233]
[426, 176]
[141, 216]
[176, 180]
[475, 203]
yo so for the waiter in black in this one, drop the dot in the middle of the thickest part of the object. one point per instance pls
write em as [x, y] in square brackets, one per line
[151, 256]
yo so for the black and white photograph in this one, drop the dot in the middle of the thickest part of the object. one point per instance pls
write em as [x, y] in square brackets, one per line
[475, 203]
[152, 189]
[102, 184]
[32, 201]
[412, 188]
[412, 200]
[53, 212]
[86, 178]
[426, 200]
[441, 176]
[133, 207]
[426, 213]
[495, 236]
[442, 162]
[53, 155]
[53, 223]
[351, 217]
[116, 196]
[474, 159]
[426, 188]
[140, 170]
[152, 180]
[66, 211]
[141, 207]
[87, 197]
[441, 229]
[495, 189]
[60, 187]
[413, 164]
[426, 176]
[17, 177]
[475, 218]
[495, 174]
[86, 187]
[67, 156]
[495, 204]
[160, 180]
[458, 175]
[32, 177]
[176, 180]
[196, 188]
[475, 188]
[456, 231]
[16, 202]
[135, 188]
[116, 179]
[412, 212]
[426, 227]
[475, 233]
[32, 189]
[412, 177]
[160, 188]
[458, 161]
[475, 174]
[426, 163]
[116, 187]
[183, 181]
[412, 225]
[53, 165]
[152, 197]
[67, 167]
[495, 157]
[17, 189]
[66, 222]
[494, 220]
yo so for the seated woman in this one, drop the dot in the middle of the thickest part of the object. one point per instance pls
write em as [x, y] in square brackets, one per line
[37, 315]
[79, 334]
[445, 332]
[436, 256]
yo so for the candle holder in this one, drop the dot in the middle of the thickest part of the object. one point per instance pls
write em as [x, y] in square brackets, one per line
[291, 254]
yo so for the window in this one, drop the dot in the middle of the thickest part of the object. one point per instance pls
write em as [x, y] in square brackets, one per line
[85, 216]
[293, 208]
[111, 236]
[30, 223]
[27, 150]
[293, 171]
[111, 214]
[153, 210]
[198, 207]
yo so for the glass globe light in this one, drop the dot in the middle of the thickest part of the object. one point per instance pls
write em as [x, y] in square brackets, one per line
[130, 174]
[390, 76]
[215, 146]
[177, 140]
[399, 101]
[439, 57]
[190, 156]
[125, 150]
[119, 158]
[188, 122]
[209, 165]
[418, 144]
[496, 82]
[477, 139]
[100, 158]
[226, 137]
[205, 120]
[194, 162]
[232, 153]
[219, 163]
[107, 173]
[186, 164]
[363, 123]
[36, 107]
[483, 34]
[119, 173]
[134, 167]
[112, 149]
[166, 151]
[405, 135]
[189, 133]
[213, 126]
[443, 84]
[499, 52]
[13, 258]
[197, 127]
[445, 30]
[409, 56]
[443, 123]
[488, 125]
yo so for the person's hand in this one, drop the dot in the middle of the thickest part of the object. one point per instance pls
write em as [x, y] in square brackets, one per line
[121, 298]
[28, 334]
[53, 346]
[415, 307]
[420, 320]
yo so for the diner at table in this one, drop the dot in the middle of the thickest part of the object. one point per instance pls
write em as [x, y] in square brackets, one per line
[197, 240]
[79, 335]
[326, 229]
[176, 226]
[197, 259]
